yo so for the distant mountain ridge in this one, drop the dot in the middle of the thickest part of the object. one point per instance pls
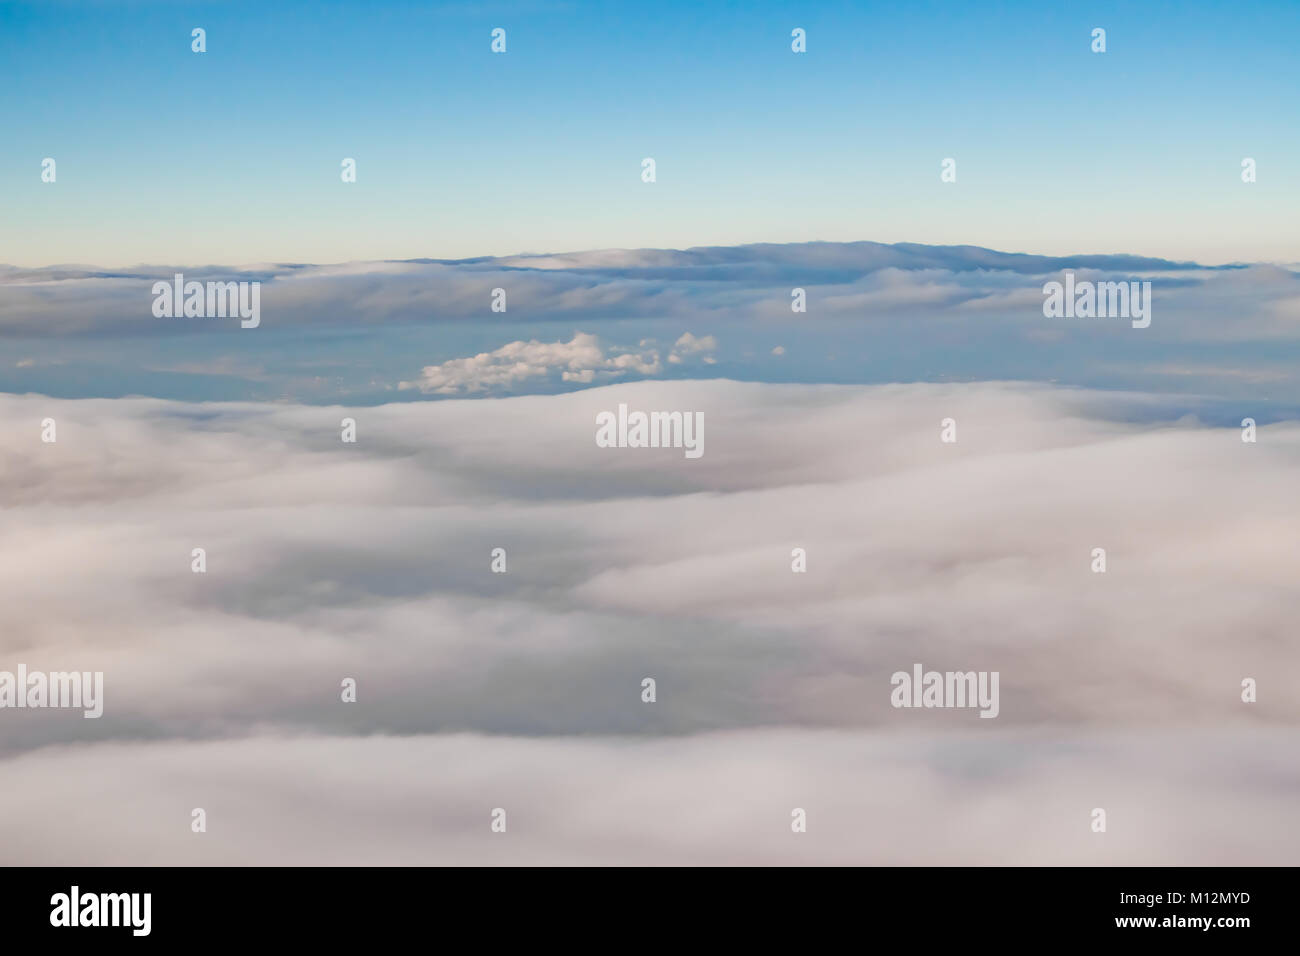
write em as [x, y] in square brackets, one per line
[823, 261]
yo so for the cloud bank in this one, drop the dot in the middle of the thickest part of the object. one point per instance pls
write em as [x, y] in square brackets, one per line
[377, 332]
[523, 690]
[844, 280]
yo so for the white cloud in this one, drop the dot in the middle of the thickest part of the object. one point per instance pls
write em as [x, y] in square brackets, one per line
[582, 360]
[688, 345]
[702, 287]
[715, 799]
[371, 560]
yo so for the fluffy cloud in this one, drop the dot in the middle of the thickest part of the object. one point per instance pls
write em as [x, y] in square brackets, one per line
[688, 345]
[1020, 798]
[329, 560]
[580, 360]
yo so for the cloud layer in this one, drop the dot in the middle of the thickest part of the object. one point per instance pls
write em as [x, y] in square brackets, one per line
[376, 332]
[329, 560]
[843, 280]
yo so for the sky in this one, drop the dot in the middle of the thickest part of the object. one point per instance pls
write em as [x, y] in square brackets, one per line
[233, 156]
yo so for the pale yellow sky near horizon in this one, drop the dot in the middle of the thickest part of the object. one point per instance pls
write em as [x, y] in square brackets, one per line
[1250, 227]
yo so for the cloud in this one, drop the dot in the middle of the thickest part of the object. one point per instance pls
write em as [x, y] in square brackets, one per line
[875, 313]
[372, 560]
[861, 279]
[689, 345]
[581, 360]
[717, 799]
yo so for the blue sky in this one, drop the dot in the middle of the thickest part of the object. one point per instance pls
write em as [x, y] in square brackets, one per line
[233, 156]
